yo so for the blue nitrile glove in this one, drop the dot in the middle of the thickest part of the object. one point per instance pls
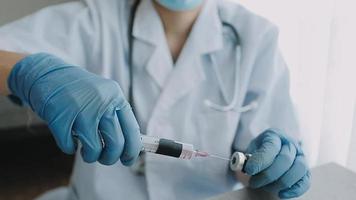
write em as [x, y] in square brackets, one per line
[277, 165]
[77, 103]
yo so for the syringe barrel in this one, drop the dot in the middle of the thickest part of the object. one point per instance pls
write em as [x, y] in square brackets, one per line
[238, 161]
[149, 144]
[167, 147]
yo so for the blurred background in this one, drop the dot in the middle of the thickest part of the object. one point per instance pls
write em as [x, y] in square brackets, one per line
[31, 163]
[317, 38]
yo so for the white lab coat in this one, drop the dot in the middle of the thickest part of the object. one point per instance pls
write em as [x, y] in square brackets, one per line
[169, 97]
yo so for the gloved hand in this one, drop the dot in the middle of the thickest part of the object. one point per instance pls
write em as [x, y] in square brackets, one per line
[78, 104]
[277, 165]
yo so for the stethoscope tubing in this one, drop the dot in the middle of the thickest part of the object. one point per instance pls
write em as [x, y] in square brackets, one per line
[222, 108]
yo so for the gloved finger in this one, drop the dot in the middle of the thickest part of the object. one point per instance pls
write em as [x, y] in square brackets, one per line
[267, 148]
[110, 130]
[131, 132]
[87, 133]
[292, 176]
[62, 133]
[65, 141]
[281, 164]
[91, 146]
[297, 189]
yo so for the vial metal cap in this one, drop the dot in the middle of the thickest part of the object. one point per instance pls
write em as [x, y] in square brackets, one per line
[237, 161]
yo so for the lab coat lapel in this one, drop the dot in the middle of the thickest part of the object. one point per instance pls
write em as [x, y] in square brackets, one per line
[149, 34]
[205, 37]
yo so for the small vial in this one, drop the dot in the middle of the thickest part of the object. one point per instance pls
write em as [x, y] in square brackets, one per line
[238, 161]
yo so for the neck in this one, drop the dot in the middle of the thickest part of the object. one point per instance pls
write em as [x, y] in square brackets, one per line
[177, 26]
[177, 22]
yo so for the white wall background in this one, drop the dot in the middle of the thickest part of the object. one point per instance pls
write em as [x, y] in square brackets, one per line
[318, 39]
[13, 9]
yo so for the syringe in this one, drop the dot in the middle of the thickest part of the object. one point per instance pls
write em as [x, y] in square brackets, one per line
[187, 151]
[170, 148]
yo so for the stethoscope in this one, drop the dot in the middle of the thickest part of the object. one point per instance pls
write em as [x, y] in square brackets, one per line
[222, 108]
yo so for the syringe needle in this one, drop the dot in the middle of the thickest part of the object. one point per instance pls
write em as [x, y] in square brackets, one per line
[218, 157]
[206, 154]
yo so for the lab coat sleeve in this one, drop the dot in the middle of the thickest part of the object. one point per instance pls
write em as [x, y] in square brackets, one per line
[64, 30]
[268, 85]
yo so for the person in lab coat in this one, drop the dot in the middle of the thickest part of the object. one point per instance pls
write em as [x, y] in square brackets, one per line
[205, 72]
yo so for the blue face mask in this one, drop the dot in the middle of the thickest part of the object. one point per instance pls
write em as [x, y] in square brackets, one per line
[180, 5]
